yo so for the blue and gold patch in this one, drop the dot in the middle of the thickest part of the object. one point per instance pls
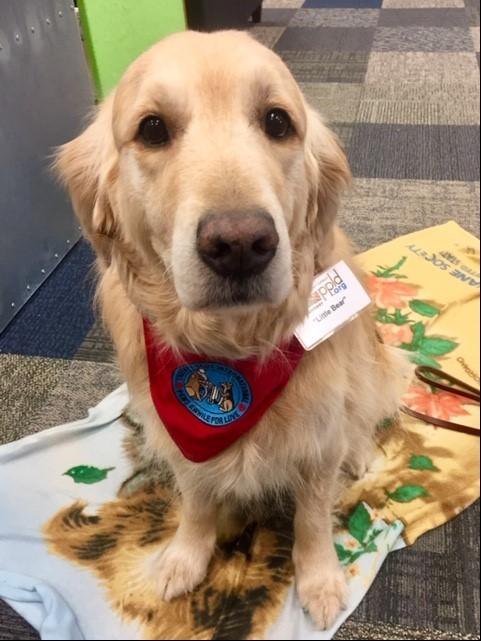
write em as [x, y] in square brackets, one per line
[214, 393]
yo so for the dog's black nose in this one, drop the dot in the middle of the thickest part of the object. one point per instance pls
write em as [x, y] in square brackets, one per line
[237, 244]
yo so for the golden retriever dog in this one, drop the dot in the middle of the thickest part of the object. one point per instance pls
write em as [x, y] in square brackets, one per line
[208, 188]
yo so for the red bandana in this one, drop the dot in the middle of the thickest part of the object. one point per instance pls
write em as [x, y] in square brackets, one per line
[207, 405]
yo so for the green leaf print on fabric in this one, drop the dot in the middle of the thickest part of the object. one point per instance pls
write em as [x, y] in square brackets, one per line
[424, 309]
[360, 526]
[359, 523]
[387, 423]
[424, 347]
[342, 554]
[421, 462]
[422, 359]
[357, 554]
[435, 346]
[366, 549]
[372, 547]
[398, 318]
[419, 331]
[389, 272]
[407, 493]
[88, 474]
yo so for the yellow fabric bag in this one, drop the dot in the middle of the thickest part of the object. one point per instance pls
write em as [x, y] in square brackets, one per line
[425, 287]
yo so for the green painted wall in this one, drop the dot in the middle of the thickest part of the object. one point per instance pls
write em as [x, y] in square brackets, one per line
[117, 31]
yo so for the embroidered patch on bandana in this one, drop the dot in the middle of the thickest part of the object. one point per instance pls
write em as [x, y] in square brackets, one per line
[214, 393]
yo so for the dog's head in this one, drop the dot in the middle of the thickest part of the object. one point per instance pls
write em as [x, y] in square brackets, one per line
[207, 162]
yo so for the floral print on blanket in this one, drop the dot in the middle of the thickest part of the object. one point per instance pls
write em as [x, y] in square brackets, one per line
[88, 474]
[435, 403]
[403, 321]
[360, 527]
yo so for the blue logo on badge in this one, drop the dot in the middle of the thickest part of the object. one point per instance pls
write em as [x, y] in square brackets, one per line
[213, 393]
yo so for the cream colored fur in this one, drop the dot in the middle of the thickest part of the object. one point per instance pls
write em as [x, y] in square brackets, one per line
[140, 209]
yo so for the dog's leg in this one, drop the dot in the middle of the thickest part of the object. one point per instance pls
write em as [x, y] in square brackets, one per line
[182, 564]
[321, 583]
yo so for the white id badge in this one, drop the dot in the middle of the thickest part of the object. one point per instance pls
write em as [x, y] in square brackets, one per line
[337, 297]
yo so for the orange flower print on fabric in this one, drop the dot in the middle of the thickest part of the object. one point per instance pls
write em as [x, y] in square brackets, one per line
[390, 292]
[395, 334]
[441, 405]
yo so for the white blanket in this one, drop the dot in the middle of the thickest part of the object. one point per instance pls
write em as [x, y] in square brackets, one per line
[63, 600]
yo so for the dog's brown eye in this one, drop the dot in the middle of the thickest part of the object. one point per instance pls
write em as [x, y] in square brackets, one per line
[153, 131]
[277, 123]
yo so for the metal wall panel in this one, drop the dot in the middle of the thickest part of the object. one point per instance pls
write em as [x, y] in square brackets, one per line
[45, 93]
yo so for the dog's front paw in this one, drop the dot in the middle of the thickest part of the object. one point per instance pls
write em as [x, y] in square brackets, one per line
[177, 569]
[323, 595]
[358, 464]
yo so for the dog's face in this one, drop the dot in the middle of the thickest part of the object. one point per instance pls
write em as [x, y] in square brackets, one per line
[210, 135]
[210, 164]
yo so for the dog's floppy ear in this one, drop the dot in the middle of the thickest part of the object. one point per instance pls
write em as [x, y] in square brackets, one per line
[329, 175]
[87, 166]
